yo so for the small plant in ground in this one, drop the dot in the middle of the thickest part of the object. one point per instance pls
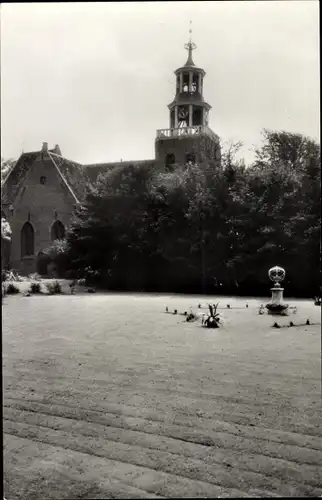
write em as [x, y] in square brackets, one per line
[213, 320]
[276, 325]
[191, 317]
[35, 288]
[11, 289]
[54, 288]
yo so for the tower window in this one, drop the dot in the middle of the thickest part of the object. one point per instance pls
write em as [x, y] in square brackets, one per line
[27, 240]
[190, 158]
[185, 82]
[197, 115]
[183, 116]
[172, 123]
[57, 231]
[194, 84]
[170, 160]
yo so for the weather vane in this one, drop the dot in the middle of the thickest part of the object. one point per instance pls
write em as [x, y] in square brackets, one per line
[190, 45]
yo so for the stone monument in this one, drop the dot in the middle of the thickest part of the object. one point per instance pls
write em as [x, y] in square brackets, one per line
[277, 305]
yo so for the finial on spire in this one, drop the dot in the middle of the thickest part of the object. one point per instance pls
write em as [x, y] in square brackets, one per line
[190, 46]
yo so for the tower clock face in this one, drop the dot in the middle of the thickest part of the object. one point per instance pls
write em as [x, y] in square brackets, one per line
[182, 113]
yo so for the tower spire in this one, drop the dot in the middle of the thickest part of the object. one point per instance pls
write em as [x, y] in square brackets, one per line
[190, 46]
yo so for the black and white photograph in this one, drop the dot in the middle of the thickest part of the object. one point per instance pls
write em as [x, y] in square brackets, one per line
[161, 249]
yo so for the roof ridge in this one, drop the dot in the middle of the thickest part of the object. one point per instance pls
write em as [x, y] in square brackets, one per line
[66, 159]
[61, 175]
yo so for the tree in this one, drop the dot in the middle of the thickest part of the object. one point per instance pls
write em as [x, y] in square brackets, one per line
[199, 226]
[286, 150]
[5, 230]
[108, 231]
[6, 167]
[57, 254]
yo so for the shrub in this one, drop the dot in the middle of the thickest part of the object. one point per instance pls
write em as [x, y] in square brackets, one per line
[11, 289]
[35, 287]
[11, 275]
[4, 275]
[57, 257]
[54, 287]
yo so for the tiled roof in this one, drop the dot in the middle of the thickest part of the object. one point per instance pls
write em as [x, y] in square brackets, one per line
[16, 176]
[93, 170]
[75, 175]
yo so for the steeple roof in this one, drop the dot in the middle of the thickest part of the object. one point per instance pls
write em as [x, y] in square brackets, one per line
[190, 46]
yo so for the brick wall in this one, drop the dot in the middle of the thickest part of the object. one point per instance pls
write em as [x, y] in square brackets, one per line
[180, 147]
[38, 203]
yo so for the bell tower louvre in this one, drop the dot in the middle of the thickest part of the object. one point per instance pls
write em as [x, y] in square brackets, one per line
[189, 137]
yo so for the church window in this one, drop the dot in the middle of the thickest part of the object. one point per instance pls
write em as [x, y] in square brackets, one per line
[43, 179]
[27, 240]
[57, 231]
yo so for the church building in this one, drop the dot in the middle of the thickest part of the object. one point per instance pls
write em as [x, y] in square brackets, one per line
[43, 188]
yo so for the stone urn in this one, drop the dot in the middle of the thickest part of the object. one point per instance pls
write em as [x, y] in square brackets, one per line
[277, 304]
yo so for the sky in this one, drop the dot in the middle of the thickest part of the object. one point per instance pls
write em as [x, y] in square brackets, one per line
[96, 78]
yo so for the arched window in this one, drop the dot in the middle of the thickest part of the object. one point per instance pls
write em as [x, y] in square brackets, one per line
[170, 159]
[57, 231]
[27, 240]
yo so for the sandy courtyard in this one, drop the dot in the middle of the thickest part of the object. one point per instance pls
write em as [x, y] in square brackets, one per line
[106, 396]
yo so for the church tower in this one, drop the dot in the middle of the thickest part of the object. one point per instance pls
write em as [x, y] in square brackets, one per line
[189, 137]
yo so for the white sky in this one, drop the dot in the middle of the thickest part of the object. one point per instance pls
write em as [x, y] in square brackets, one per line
[96, 78]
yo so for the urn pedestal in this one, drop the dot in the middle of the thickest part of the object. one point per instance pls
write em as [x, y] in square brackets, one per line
[277, 304]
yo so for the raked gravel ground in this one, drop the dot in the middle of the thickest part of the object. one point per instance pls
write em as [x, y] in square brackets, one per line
[107, 396]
